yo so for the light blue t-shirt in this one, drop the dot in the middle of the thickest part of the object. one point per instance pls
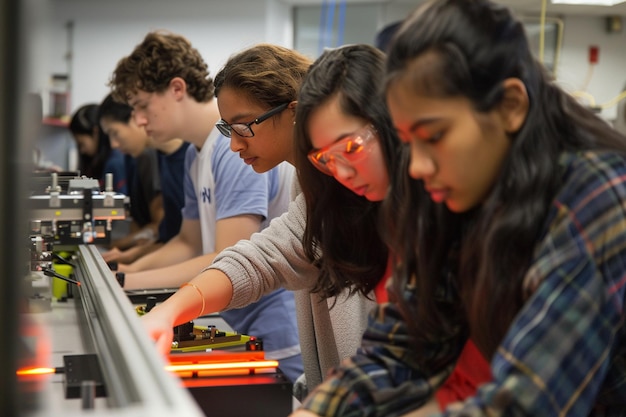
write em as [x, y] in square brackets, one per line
[235, 188]
[219, 185]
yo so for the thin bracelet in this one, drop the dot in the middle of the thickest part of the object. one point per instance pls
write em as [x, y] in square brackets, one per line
[199, 292]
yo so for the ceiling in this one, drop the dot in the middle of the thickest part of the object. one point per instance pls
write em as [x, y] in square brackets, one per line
[526, 7]
[534, 7]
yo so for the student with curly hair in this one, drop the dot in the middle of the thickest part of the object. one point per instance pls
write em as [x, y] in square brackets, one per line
[167, 83]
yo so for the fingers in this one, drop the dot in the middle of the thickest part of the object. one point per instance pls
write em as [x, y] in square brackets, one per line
[164, 343]
[111, 255]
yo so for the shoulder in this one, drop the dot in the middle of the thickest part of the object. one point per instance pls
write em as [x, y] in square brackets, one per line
[222, 157]
[581, 240]
[592, 181]
[148, 156]
[280, 180]
[115, 158]
[191, 153]
[582, 220]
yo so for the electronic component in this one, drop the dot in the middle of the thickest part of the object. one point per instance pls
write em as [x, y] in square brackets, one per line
[234, 384]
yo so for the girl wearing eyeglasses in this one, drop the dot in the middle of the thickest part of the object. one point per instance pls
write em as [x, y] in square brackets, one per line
[328, 245]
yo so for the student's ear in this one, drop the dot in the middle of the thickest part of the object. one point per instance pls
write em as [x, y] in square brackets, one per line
[514, 104]
[292, 108]
[178, 87]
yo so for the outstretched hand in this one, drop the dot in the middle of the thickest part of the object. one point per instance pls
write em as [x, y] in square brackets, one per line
[112, 255]
[160, 329]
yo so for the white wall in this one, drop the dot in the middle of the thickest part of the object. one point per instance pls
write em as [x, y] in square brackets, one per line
[105, 31]
[608, 77]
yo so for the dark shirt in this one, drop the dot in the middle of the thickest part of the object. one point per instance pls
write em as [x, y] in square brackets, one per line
[142, 174]
[172, 172]
[115, 165]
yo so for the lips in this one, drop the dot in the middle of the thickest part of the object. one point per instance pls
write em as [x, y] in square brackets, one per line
[360, 190]
[249, 161]
[438, 195]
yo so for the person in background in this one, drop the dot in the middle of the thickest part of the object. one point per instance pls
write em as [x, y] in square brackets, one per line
[509, 229]
[385, 35]
[96, 158]
[155, 182]
[225, 200]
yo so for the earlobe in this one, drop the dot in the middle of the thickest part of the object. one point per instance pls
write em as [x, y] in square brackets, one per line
[514, 105]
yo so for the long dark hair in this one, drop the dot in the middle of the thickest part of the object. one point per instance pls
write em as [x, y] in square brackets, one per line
[85, 121]
[341, 235]
[471, 47]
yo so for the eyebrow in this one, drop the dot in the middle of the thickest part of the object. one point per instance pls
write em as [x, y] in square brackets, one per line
[345, 135]
[241, 118]
[422, 122]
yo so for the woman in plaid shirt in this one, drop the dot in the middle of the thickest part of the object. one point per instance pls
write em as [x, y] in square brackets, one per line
[510, 229]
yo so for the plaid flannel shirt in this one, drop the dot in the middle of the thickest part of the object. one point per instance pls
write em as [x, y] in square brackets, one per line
[564, 353]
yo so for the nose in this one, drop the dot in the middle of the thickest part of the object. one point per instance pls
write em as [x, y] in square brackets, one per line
[422, 164]
[237, 144]
[140, 118]
[342, 171]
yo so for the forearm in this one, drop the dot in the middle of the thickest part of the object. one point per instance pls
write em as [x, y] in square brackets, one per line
[173, 252]
[211, 291]
[168, 277]
[137, 252]
[430, 409]
[138, 235]
[384, 377]
[269, 260]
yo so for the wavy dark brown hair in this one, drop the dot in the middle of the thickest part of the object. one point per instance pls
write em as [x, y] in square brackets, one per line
[159, 58]
[269, 75]
[472, 46]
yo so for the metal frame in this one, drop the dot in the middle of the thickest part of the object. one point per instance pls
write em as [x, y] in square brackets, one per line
[136, 381]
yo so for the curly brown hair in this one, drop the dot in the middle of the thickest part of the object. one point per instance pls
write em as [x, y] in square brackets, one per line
[269, 74]
[159, 58]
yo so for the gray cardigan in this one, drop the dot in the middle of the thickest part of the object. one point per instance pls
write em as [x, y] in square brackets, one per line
[275, 258]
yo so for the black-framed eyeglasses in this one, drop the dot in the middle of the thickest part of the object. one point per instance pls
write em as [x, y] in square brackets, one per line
[245, 129]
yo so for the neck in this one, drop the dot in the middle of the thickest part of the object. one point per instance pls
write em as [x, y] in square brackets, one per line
[170, 146]
[200, 119]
